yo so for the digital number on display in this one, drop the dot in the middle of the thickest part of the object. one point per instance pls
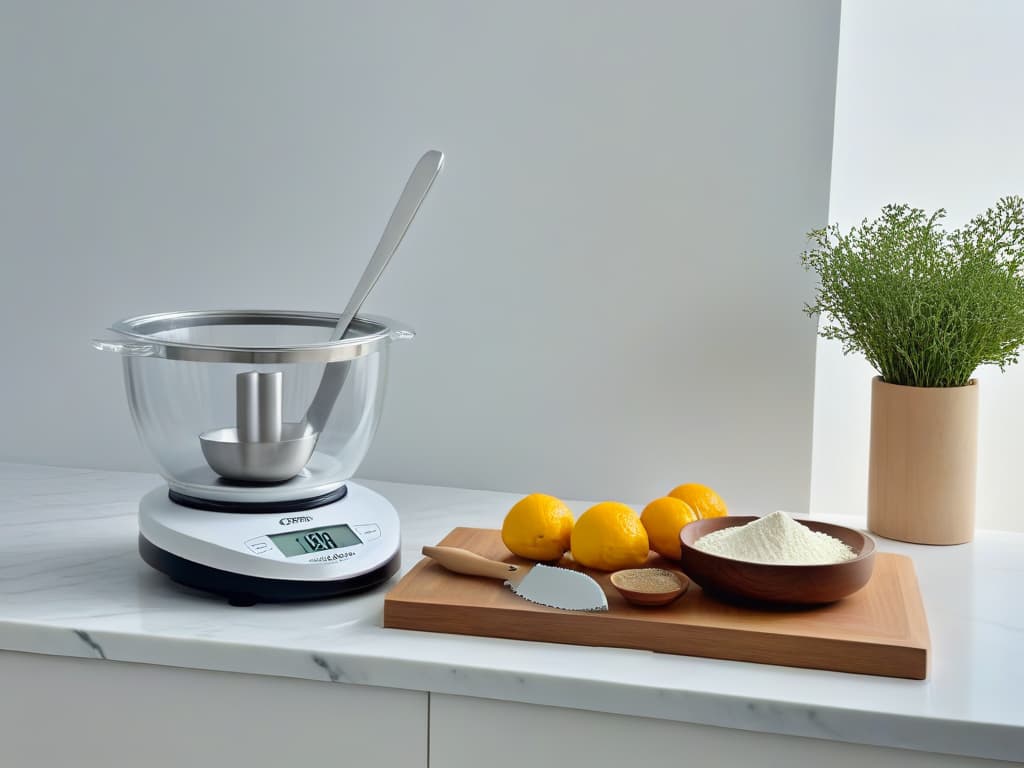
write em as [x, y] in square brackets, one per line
[295, 543]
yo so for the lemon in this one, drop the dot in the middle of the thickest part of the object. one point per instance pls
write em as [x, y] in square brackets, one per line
[538, 527]
[663, 519]
[609, 536]
[704, 500]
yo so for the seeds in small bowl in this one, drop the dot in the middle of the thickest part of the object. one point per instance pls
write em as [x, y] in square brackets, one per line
[649, 586]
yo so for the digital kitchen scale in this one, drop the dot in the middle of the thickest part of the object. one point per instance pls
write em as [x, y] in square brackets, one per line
[256, 419]
[341, 542]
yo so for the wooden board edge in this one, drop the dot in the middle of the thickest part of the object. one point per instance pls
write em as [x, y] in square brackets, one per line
[917, 618]
[854, 657]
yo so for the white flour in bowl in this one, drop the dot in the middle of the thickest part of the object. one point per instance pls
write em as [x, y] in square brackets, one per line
[776, 539]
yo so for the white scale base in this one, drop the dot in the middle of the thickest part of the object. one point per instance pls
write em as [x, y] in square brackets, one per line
[348, 545]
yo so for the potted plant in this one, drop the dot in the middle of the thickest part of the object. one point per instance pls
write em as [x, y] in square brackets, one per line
[926, 307]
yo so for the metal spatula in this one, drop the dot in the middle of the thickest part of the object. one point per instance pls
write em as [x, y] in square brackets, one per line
[554, 587]
[265, 450]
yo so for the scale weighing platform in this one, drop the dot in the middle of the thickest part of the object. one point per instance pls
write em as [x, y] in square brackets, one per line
[272, 552]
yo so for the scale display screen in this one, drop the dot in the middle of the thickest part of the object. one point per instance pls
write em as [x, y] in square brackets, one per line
[304, 542]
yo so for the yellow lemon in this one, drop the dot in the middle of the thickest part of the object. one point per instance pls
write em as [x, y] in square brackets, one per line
[704, 501]
[538, 527]
[609, 536]
[663, 519]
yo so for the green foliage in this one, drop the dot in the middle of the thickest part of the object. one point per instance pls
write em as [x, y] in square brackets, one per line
[926, 307]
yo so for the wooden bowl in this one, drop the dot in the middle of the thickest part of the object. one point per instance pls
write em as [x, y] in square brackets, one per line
[624, 581]
[777, 584]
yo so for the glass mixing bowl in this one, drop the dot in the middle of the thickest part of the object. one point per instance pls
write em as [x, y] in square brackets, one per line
[181, 373]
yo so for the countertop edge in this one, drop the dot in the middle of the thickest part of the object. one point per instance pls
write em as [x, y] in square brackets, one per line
[882, 729]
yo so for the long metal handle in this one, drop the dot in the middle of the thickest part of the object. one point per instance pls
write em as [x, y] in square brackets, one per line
[471, 564]
[415, 191]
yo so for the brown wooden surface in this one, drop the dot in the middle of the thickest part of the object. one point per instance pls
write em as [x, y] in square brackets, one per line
[880, 630]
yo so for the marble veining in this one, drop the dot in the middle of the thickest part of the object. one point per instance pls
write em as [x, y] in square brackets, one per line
[86, 638]
[334, 674]
[72, 584]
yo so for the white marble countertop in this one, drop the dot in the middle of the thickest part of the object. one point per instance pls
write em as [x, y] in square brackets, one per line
[72, 584]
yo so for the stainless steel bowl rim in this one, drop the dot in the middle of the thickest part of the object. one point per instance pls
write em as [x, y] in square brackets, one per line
[366, 335]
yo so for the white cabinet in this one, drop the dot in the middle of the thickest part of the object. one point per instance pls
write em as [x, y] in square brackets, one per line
[56, 710]
[97, 714]
[469, 733]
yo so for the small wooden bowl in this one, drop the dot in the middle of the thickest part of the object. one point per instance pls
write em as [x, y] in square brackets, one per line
[621, 581]
[777, 584]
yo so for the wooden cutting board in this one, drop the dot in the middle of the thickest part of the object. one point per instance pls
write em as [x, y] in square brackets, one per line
[880, 630]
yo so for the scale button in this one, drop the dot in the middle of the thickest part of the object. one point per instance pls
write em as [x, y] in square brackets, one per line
[259, 545]
[368, 531]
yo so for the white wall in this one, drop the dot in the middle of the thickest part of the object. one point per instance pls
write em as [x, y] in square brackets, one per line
[929, 111]
[605, 278]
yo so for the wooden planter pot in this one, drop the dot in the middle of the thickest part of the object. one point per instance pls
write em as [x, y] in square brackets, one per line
[923, 467]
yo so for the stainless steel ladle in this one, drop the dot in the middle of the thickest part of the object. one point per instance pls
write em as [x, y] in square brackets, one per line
[263, 449]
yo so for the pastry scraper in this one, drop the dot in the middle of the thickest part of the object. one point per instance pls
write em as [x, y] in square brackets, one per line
[555, 587]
